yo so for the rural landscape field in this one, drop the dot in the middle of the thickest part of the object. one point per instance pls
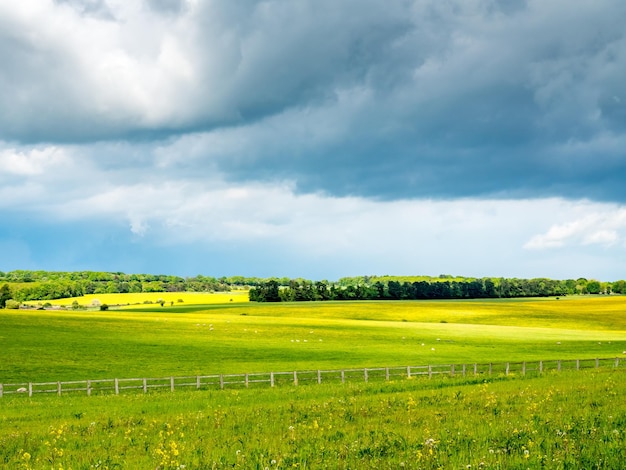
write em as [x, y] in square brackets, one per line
[540, 419]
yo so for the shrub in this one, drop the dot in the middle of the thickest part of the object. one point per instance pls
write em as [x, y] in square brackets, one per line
[12, 304]
[104, 307]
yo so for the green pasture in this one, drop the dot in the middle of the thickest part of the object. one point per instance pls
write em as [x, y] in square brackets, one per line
[569, 420]
[232, 337]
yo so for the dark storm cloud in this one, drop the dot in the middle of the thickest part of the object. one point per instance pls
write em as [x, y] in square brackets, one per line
[425, 98]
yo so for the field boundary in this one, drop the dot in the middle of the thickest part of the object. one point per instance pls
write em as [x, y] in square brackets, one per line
[262, 379]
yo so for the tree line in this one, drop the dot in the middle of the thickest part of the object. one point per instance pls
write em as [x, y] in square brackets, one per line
[443, 287]
[25, 285]
[47, 285]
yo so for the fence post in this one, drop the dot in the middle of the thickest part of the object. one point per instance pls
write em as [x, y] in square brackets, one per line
[117, 386]
[507, 369]
[490, 368]
[558, 365]
[616, 362]
[145, 385]
[365, 373]
[524, 368]
[272, 379]
[59, 388]
[89, 388]
[430, 371]
[30, 389]
[387, 374]
[247, 381]
[1, 390]
[463, 370]
[222, 381]
[295, 378]
[408, 372]
[343, 377]
[541, 367]
[597, 363]
[452, 370]
[319, 376]
[577, 364]
[198, 382]
[475, 369]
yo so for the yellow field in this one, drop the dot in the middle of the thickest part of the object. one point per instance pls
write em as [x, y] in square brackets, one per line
[143, 298]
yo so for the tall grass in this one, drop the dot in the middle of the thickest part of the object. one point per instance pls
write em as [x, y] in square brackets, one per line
[567, 420]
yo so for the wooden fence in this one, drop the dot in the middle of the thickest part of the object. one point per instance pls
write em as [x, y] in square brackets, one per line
[221, 381]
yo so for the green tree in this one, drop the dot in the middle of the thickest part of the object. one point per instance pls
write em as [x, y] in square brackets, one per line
[593, 287]
[5, 294]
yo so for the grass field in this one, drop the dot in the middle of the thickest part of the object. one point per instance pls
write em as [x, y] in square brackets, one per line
[571, 420]
[247, 337]
[566, 420]
[141, 299]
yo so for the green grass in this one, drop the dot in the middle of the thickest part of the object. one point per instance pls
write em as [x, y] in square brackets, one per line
[558, 421]
[574, 419]
[243, 337]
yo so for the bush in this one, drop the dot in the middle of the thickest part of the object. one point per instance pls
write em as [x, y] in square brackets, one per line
[12, 304]
[104, 307]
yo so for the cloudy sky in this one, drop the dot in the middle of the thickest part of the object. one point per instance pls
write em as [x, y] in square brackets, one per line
[314, 138]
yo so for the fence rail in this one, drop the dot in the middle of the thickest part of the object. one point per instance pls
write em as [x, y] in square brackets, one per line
[257, 379]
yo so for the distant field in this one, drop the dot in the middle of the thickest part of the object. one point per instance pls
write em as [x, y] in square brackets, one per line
[188, 339]
[139, 299]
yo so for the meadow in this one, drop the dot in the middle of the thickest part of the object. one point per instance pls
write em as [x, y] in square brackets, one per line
[572, 419]
[155, 341]
[569, 420]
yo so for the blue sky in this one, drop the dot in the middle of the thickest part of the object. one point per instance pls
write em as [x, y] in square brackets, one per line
[314, 138]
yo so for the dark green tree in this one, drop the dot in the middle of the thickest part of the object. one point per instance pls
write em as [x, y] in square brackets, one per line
[5, 294]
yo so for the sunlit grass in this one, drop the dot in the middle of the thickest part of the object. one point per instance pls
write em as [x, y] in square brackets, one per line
[231, 338]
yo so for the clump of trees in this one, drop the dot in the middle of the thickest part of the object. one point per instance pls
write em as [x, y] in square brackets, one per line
[45, 285]
[423, 287]
[21, 286]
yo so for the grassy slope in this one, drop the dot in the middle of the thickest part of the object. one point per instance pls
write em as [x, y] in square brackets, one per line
[235, 337]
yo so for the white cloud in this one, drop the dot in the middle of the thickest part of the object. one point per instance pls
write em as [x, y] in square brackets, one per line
[603, 224]
[31, 162]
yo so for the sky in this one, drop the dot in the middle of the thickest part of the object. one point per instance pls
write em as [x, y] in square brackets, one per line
[314, 138]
